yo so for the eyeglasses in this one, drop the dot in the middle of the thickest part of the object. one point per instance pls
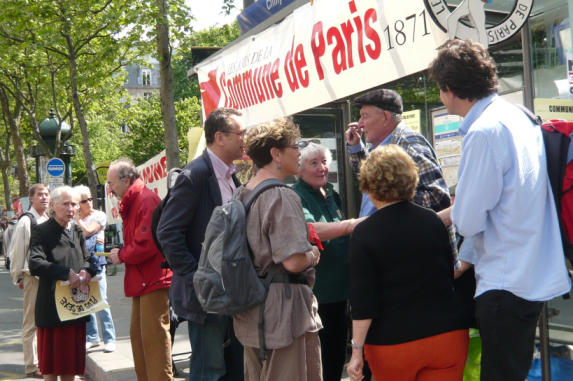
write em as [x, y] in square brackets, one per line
[86, 200]
[110, 183]
[240, 134]
[304, 143]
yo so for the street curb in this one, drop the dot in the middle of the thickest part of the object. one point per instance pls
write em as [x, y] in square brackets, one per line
[94, 372]
[119, 366]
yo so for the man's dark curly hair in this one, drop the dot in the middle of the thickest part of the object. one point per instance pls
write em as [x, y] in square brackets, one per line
[465, 68]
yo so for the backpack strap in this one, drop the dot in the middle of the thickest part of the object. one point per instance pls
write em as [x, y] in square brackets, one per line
[274, 270]
[263, 186]
[32, 218]
[534, 118]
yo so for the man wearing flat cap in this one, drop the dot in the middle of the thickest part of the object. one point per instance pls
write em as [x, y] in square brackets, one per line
[381, 122]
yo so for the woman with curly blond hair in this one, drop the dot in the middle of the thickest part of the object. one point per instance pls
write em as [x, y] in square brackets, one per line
[277, 235]
[404, 315]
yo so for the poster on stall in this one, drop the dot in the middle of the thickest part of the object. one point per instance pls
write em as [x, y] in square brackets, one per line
[447, 143]
[413, 119]
[553, 108]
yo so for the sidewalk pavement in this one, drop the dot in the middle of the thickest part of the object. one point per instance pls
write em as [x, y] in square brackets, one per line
[118, 365]
[100, 366]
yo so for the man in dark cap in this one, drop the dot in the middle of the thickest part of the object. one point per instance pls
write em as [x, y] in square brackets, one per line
[381, 122]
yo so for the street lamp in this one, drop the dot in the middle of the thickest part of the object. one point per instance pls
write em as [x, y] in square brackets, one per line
[48, 131]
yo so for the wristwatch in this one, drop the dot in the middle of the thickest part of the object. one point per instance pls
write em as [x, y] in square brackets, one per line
[356, 346]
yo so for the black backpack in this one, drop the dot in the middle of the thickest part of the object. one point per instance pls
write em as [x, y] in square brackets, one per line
[156, 216]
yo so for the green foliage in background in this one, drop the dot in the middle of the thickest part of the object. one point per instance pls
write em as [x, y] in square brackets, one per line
[183, 58]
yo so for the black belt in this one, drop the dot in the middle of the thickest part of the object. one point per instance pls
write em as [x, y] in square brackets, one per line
[289, 278]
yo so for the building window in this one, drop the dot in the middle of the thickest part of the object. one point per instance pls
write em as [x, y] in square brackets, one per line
[146, 77]
[147, 95]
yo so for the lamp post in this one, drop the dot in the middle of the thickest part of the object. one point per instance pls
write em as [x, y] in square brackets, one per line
[48, 131]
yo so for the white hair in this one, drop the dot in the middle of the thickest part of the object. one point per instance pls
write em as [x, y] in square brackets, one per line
[83, 190]
[311, 150]
[58, 193]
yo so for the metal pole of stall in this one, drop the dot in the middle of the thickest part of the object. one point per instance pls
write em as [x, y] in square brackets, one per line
[527, 67]
[544, 344]
[528, 102]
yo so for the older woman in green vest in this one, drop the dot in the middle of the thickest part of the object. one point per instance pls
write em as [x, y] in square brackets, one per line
[323, 209]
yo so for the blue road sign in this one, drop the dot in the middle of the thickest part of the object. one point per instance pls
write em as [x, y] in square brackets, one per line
[55, 167]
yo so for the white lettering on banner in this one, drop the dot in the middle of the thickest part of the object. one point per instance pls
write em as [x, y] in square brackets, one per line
[318, 54]
[273, 3]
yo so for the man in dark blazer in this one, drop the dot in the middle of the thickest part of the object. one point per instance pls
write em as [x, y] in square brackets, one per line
[206, 182]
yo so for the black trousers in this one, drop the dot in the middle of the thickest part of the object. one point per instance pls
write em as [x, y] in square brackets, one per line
[333, 339]
[507, 328]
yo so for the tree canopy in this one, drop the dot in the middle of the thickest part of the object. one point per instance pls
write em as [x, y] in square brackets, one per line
[70, 56]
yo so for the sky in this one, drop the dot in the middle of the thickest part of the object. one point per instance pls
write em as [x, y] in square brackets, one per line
[209, 13]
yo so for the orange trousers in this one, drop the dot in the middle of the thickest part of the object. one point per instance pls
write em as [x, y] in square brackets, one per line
[436, 358]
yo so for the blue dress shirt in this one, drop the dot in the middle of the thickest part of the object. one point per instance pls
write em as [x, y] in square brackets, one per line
[504, 203]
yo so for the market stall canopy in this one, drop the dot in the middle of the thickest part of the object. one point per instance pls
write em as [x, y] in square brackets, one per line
[320, 53]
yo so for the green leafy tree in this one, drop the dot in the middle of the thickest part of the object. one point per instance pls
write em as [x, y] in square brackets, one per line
[105, 130]
[84, 37]
[183, 60]
[158, 23]
[144, 138]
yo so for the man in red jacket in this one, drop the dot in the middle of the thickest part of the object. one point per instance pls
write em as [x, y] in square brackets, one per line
[145, 281]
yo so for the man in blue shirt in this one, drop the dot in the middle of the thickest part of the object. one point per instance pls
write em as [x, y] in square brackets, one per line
[504, 205]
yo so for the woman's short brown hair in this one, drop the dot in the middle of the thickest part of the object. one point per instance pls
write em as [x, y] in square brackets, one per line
[278, 133]
[389, 174]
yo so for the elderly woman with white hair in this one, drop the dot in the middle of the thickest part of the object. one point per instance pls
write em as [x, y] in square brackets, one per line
[92, 222]
[323, 210]
[58, 252]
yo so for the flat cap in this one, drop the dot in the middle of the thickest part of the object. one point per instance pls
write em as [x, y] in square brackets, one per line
[385, 99]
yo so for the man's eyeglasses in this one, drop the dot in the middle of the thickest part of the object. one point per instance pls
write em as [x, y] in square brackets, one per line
[240, 134]
[86, 200]
[304, 143]
[119, 178]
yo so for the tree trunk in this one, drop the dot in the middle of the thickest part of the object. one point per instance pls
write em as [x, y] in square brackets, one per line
[166, 91]
[4, 165]
[14, 117]
[90, 167]
[6, 182]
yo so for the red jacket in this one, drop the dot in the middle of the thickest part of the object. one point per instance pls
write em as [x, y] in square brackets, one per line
[143, 272]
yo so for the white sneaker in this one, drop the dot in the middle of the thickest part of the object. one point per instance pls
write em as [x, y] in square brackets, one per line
[90, 345]
[109, 347]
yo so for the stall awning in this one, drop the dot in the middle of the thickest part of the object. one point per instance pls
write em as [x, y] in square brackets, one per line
[318, 54]
[258, 12]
